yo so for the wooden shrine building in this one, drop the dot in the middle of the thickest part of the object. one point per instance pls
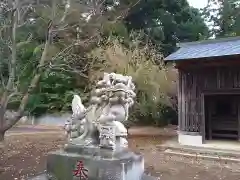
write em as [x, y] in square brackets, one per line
[208, 90]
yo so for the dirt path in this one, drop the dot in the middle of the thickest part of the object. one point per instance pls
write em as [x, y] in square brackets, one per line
[25, 155]
[32, 130]
[136, 131]
[153, 131]
[28, 129]
[182, 168]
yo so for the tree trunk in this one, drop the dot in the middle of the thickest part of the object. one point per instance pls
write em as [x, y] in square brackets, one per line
[12, 66]
[2, 133]
[6, 125]
[31, 87]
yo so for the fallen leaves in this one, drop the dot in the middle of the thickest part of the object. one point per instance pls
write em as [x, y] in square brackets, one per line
[25, 155]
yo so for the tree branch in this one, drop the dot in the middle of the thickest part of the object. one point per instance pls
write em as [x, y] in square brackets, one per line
[2, 81]
[37, 75]
[67, 68]
[33, 84]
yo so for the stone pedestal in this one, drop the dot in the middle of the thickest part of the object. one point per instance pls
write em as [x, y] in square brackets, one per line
[97, 163]
[97, 148]
[44, 177]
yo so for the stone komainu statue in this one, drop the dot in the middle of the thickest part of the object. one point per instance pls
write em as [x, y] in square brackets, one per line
[101, 123]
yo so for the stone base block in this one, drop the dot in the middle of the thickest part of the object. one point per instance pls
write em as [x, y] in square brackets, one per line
[96, 164]
[44, 177]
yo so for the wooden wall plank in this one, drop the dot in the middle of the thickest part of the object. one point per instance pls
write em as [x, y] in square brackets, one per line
[180, 100]
[193, 83]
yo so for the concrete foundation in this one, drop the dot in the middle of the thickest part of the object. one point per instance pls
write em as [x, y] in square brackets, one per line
[190, 140]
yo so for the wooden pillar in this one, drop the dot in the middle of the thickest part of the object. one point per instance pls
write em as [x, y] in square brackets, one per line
[184, 103]
[180, 101]
[238, 115]
[209, 109]
[203, 118]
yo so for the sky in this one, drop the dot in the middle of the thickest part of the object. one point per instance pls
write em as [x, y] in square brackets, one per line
[198, 3]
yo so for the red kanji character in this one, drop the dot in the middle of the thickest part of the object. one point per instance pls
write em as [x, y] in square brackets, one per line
[80, 171]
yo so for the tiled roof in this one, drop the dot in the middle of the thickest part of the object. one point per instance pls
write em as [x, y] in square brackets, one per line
[207, 48]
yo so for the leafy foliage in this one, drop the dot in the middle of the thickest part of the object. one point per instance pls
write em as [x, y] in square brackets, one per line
[223, 16]
[123, 36]
[167, 22]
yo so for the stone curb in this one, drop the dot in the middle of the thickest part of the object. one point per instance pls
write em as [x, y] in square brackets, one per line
[39, 126]
[199, 150]
[29, 133]
[207, 157]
